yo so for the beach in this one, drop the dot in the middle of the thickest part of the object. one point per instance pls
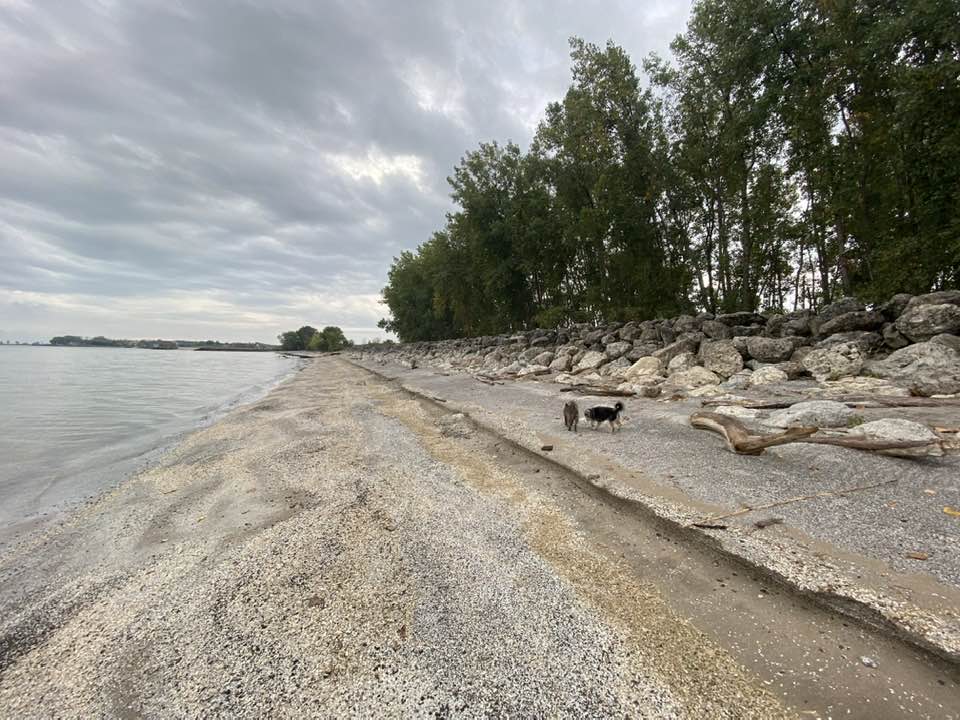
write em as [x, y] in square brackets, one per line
[343, 547]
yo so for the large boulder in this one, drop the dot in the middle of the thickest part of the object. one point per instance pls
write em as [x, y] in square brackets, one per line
[721, 357]
[840, 307]
[857, 320]
[641, 350]
[868, 342]
[894, 307]
[617, 349]
[682, 362]
[943, 297]
[594, 336]
[927, 368]
[644, 367]
[812, 413]
[835, 361]
[900, 430]
[685, 324]
[789, 325]
[561, 364]
[591, 360]
[587, 378]
[770, 350]
[767, 375]
[951, 341]
[922, 322]
[668, 353]
[741, 318]
[693, 378]
[893, 338]
[716, 330]
[533, 370]
[544, 358]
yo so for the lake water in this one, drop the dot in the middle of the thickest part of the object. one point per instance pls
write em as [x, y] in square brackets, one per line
[74, 421]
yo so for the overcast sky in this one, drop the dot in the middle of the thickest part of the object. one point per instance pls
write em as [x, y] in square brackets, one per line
[230, 169]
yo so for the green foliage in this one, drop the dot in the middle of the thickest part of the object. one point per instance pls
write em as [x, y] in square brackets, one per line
[309, 338]
[790, 152]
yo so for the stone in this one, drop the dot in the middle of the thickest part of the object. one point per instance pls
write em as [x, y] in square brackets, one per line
[767, 375]
[893, 338]
[593, 337]
[544, 358]
[682, 362]
[861, 385]
[900, 430]
[738, 381]
[857, 320]
[747, 330]
[737, 411]
[868, 342]
[666, 334]
[644, 367]
[721, 357]
[705, 391]
[685, 324]
[668, 353]
[792, 368]
[616, 349]
[561, 364]
[529, 354]
[742, 318]
[840, 307]
[835, 361]
[533, 370]
[642, 350]
[951, 341]
[716, 330]
[927, 368]
[644, 390]
[588, 378]
[739, 342]
[591, 360]
[511, 369]
[894, 307]
[812, 413]
[616, 367]
[922, 322]
[608, 339]
[693, 378]
[944, 297]
[770, 350]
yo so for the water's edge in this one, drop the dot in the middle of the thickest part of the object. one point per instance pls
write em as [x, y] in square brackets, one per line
[124, 468]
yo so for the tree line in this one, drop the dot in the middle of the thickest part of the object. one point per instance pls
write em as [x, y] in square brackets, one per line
[309, 338]
[789, 152]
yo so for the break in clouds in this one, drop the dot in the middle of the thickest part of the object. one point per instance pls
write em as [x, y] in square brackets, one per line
[229, 170]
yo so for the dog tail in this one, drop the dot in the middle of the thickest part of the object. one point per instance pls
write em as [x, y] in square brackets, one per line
[619, 407]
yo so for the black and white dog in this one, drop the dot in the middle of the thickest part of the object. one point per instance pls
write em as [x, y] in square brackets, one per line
[600, 414]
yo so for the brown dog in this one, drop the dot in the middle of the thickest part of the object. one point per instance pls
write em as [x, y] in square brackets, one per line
[571, 415]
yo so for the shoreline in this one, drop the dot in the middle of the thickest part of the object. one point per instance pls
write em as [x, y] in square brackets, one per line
[123, 467]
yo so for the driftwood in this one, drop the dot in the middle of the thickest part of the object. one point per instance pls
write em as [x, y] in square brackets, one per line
[856, 401]
[486, 379]
[597, 390]
[739, 439]
[743, 442]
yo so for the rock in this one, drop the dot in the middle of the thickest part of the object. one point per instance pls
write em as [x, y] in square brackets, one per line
[767, 375]
[642, 350]
[900, 430]
[592, 338]
[742, 318]
[747, 330]
[927, 368]
[533, 370]
[668, 353]
[835, 361]
[721, 357]
[617, 368]
[644, 367]
[737, 411]
[561, 364]
[951, 341]
[608, 339]
[738, 381]
[705, 391]
[682, 362]
[644, 390]
[892, 337]
[812, 413]
[922, 322]
[588, 378]
[693, 378]
[789, 325]
[739, 342]
[666, 334]
[857, 320]
[685, 324]
[511, 369]
[840, 307]
[792, 369]
[861, 385]
[616, 349]
[590, 361]
[770, 350]
[544, 358]
[716, 330]
[894, 307]
[868, 661]
[944, 297]
[630, 332]
[868, 342]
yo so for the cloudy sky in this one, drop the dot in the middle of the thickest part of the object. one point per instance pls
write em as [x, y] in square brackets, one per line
[233, 168]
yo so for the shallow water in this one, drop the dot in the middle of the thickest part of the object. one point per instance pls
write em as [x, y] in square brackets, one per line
[74, 421]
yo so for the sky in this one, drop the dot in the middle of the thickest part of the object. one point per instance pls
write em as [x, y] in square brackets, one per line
[229, 169]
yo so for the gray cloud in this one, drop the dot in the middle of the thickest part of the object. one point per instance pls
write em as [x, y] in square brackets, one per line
[232, 169]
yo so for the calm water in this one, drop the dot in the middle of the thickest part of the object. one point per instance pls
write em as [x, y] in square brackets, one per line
[74, 421]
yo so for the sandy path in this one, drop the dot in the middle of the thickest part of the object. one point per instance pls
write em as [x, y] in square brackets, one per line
[337, 549]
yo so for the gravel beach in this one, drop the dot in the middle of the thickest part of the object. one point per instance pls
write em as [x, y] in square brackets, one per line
[341, 549]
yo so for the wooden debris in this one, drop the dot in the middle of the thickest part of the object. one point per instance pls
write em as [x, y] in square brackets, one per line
[739, 439]
[598, 390]
[918, 555]
[855, 401]
[546, 448]
[708, 526]
[767, 522]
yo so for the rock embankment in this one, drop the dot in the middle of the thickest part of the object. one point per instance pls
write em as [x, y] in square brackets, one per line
[908, 345]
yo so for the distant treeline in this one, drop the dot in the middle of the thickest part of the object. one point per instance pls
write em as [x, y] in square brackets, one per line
[100, 341]
[309, 338]
[790, 152]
